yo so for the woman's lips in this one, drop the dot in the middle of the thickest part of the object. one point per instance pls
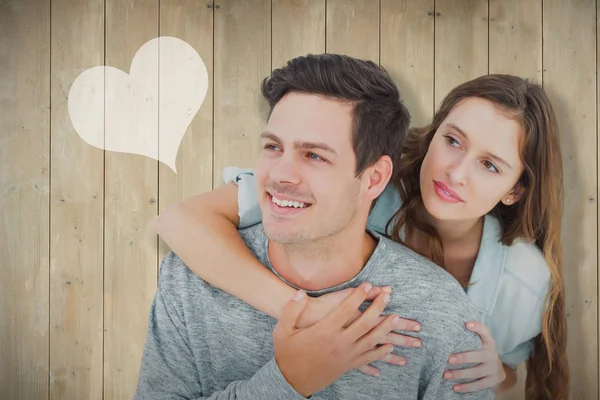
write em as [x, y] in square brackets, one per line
[445, 193]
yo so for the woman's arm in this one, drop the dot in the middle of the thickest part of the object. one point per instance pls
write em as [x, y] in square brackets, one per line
[202, 231]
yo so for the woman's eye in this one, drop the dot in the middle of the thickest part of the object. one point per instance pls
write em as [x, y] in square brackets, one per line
[451, 141]
[490, 167]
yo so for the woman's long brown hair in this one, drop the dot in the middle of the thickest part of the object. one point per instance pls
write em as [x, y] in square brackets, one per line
[535, 217]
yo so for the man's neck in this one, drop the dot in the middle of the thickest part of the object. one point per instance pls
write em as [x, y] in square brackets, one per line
[324, 263]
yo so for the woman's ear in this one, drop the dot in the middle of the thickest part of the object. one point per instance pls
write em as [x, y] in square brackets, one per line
[514, 195]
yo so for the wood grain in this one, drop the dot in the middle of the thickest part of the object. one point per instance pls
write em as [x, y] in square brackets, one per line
[193, 22]
[461, 43]
[77, 218]
[407, 41]
[242, 61]
[131, 191]
[298, 29]
[353, 28]
[24, 198]
[569, 77]
[511, 22]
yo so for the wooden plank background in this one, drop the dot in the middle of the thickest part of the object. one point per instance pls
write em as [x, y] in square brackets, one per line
[78, 264]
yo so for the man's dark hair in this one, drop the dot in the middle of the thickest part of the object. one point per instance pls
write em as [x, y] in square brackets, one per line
[380, 119]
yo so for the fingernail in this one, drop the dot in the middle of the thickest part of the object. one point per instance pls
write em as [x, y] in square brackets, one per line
[390, 349]
[402, 362]
[387, 289]
[417, 343]
[452, 360]
[417, 328]
[376, 373]
[457, 388]
[300, 294]
[368, 287]
[470, 325]
[386, 298]
[447, 375]
[395, 319]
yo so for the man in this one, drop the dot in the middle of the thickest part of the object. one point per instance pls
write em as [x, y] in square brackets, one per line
[333, 135]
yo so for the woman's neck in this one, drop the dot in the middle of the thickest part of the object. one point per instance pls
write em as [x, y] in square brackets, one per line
[455, 233]
[460, 240]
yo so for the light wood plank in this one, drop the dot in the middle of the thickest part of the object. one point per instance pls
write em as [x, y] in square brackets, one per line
[242, 61]
[407, 39]
[598, 179]
[516, 38]
[353, 28]
[511, 22]
[24, 198]
[192, 22]
[76, 229]
[569, 77]
[461, 43]
[298, 29]
[131, 191]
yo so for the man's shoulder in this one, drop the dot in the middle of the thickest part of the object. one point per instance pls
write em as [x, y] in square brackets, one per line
[187, 292]
[175, 275]
[429, 294]
[255, 238]
[253, 232]
[429, 282]
[403, 260]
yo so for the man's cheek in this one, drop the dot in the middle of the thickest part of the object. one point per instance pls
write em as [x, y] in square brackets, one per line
[261, 171]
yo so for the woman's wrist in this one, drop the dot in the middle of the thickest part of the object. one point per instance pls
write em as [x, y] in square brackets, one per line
[510, 380]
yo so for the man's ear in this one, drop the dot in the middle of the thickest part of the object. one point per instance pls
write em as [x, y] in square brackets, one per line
[377, 177]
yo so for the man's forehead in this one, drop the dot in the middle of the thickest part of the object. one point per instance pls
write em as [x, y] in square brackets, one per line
[311, 118]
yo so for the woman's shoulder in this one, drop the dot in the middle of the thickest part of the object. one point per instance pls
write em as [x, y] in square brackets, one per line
[526, 263]
[512, 283]
[522, 262]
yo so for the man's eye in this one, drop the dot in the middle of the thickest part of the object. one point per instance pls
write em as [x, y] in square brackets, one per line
[315, 157]
[270, 147]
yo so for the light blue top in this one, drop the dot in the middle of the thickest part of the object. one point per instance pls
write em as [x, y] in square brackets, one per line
[508, 283]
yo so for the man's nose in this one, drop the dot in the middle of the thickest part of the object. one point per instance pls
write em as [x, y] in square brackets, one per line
[286, 170]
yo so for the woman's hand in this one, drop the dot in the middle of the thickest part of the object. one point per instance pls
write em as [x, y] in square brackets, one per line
[488, 374]
[319, 307]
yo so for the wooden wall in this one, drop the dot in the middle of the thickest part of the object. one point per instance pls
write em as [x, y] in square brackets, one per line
[78, 264]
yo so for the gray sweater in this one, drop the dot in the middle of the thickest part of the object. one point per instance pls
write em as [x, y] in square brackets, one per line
[204, 343]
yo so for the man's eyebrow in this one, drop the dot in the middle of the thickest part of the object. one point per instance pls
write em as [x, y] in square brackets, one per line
[301, 145]
[269, 135]
[490, 155]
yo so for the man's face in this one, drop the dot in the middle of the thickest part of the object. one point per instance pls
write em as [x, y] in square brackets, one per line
[306, 171]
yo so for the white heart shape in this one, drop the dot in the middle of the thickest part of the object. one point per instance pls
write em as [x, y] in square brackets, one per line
[148, 110]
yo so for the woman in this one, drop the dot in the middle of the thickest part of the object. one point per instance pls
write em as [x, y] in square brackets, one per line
[479, 192]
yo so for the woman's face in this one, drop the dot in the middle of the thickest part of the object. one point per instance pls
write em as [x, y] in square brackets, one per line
[472, 163]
